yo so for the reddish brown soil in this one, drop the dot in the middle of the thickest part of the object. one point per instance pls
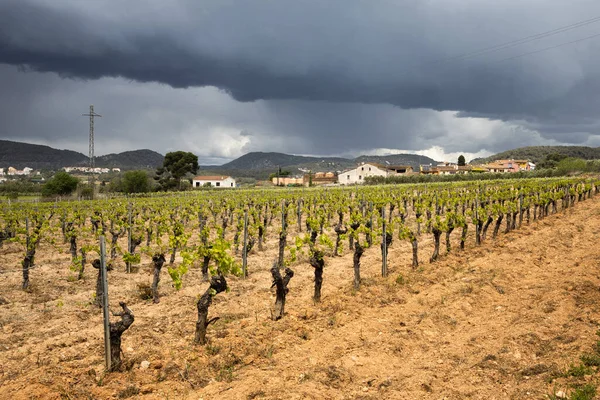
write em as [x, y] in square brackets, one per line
[493, 322]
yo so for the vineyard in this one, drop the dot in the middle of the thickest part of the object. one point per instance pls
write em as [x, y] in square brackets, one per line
[355, 292]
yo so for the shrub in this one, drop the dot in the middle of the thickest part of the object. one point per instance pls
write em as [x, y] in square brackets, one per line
[61, 184]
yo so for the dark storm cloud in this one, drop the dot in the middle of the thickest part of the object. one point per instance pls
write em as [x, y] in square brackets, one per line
[313, 77]
[338, 51]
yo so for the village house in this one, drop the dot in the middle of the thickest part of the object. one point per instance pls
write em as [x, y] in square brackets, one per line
[320, 178]
[428, 169]
[213, 181]
[19, 172]
[508, 166]
[287, 180]
[87, 170]
[316, 179]
[358, 174]
[455, 169]
[495, 167]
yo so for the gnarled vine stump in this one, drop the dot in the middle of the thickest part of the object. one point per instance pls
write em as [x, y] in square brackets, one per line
[358, 252]
[318, 263]
[116, 331]
[218, 284]
[339, 231]
[281, 290]
[158, 260]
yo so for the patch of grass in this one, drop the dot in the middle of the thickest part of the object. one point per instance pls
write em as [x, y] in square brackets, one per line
[267, 351]
[591, 359]
[144, 291]
[212, 350]
[226, 368]
[225, 374]
[400, 279]
[578, 371]
[586, 392]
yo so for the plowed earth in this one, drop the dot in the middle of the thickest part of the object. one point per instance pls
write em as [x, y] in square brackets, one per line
[498, 321]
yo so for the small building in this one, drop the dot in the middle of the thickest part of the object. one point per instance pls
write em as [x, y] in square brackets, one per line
[454, 169]
[320, 178]
[20, 172]
[397, 169]
[428, 169]
[501, 167]
[358, 174]
[509, 166]
[523, 164]
[213, 181]
[287, 180]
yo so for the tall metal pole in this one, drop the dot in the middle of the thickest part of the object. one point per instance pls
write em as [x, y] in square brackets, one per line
[244, 248]
[91, 114]
[129, 239]
[105, 303]
[383, 245]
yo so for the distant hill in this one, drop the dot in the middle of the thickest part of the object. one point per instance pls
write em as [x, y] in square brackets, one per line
[413, 160]
[259, 165]
[262, 161]
[136, 159]
[252, 165]
[21, 155]
[539, 153]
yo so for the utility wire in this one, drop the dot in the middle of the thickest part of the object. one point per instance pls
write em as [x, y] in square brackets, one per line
[520, 41]
[549, 48]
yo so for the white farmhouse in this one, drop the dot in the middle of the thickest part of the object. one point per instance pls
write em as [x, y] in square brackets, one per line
[215, 181]
[358, 174]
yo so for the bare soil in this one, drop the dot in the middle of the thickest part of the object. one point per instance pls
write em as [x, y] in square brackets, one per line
[498, 321]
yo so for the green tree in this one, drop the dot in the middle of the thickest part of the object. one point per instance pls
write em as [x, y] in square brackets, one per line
[61, 184]
[461, 161]
[280, 173]
[175, 166]
[135, 182]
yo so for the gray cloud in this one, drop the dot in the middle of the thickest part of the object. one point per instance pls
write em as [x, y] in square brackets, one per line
[304, 77]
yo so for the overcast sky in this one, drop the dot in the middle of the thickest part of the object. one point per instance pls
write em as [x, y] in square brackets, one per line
[221, 78]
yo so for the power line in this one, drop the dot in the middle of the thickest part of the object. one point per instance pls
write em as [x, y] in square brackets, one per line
[517, 42]
[548, 48]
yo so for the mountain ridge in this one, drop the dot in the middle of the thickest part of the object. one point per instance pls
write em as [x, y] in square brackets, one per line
[20, 155]
[538, 154]
[260, 164]
[254, 164]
